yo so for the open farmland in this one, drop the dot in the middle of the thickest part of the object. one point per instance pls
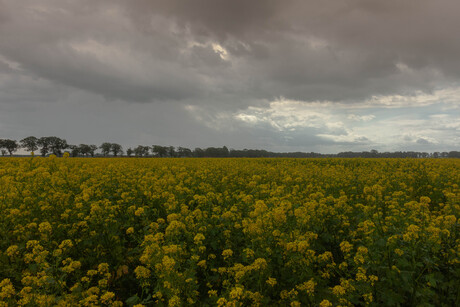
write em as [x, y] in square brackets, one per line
[118, 231]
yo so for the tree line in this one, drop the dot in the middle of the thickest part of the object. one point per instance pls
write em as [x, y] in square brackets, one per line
[57, 146]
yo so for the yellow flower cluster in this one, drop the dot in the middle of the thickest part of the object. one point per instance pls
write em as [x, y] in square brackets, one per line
[229, 232]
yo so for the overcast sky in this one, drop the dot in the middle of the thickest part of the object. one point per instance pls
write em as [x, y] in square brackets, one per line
[285, 75]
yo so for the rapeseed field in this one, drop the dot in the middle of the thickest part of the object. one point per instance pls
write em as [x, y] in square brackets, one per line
[229, 232]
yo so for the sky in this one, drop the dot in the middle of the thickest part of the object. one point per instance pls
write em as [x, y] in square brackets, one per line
[282, 75]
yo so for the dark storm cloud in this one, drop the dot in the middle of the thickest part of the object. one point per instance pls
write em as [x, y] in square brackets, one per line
[71, 44]
[5, 68]
[219, 19]
[306, 50]
[275, 74]
[326, 50]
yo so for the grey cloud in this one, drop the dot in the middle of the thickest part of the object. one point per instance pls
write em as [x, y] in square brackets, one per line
[4, 67]
[219, 19]
[364, 42]
[60, 58]
[320, 50]
[422, 141]
[407, 138]
[51, 52]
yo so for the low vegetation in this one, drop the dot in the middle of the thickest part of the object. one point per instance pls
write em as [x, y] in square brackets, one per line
[229, 232]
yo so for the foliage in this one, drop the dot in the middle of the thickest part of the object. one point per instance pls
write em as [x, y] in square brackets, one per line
[140, 151]
[10, 145]
[105, 148]
[159, 151]
[29, 143]
[233, 232]
[116, 149]
[52, 144]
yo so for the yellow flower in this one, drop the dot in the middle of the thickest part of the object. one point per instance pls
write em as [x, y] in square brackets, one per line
[412, 233]
[359, 257]
[338, 290]
[130, 230]
[12, 251]
[325, 256]
[91, 272]
[425, 200]
[346, 247]
[343, 266]
[227, 253]
[139, 211]
[85, 279]
[236, 293]
[325, 303]
[198, 238]
[107, 297]
[168, 263]
[174, 228]
[45, 227]
[271, 281]
[308, 287]
[66, 244]
[259, 264]
[174, 301]
[142, 272]
[71, 266]
[368, 297]
[7, 289]
[103, 268]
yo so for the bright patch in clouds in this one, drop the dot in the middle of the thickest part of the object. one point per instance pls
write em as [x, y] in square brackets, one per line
[364, 118]
[449, 96]
[376, 122]
[220, 51]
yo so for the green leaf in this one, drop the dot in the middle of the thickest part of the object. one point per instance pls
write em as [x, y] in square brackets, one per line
[132, 300]
[431, 279]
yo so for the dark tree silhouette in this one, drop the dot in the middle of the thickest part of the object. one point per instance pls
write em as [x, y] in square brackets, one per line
[10, 145]
[84, 149]
[74, 150]
[159, 151]
[184, 152]
[57, 145]
[52, 144]
[116, 149]
[29, 143]
[171, 151]
[106, 148]
[92, 150]
[44, 144]
[141, 151]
